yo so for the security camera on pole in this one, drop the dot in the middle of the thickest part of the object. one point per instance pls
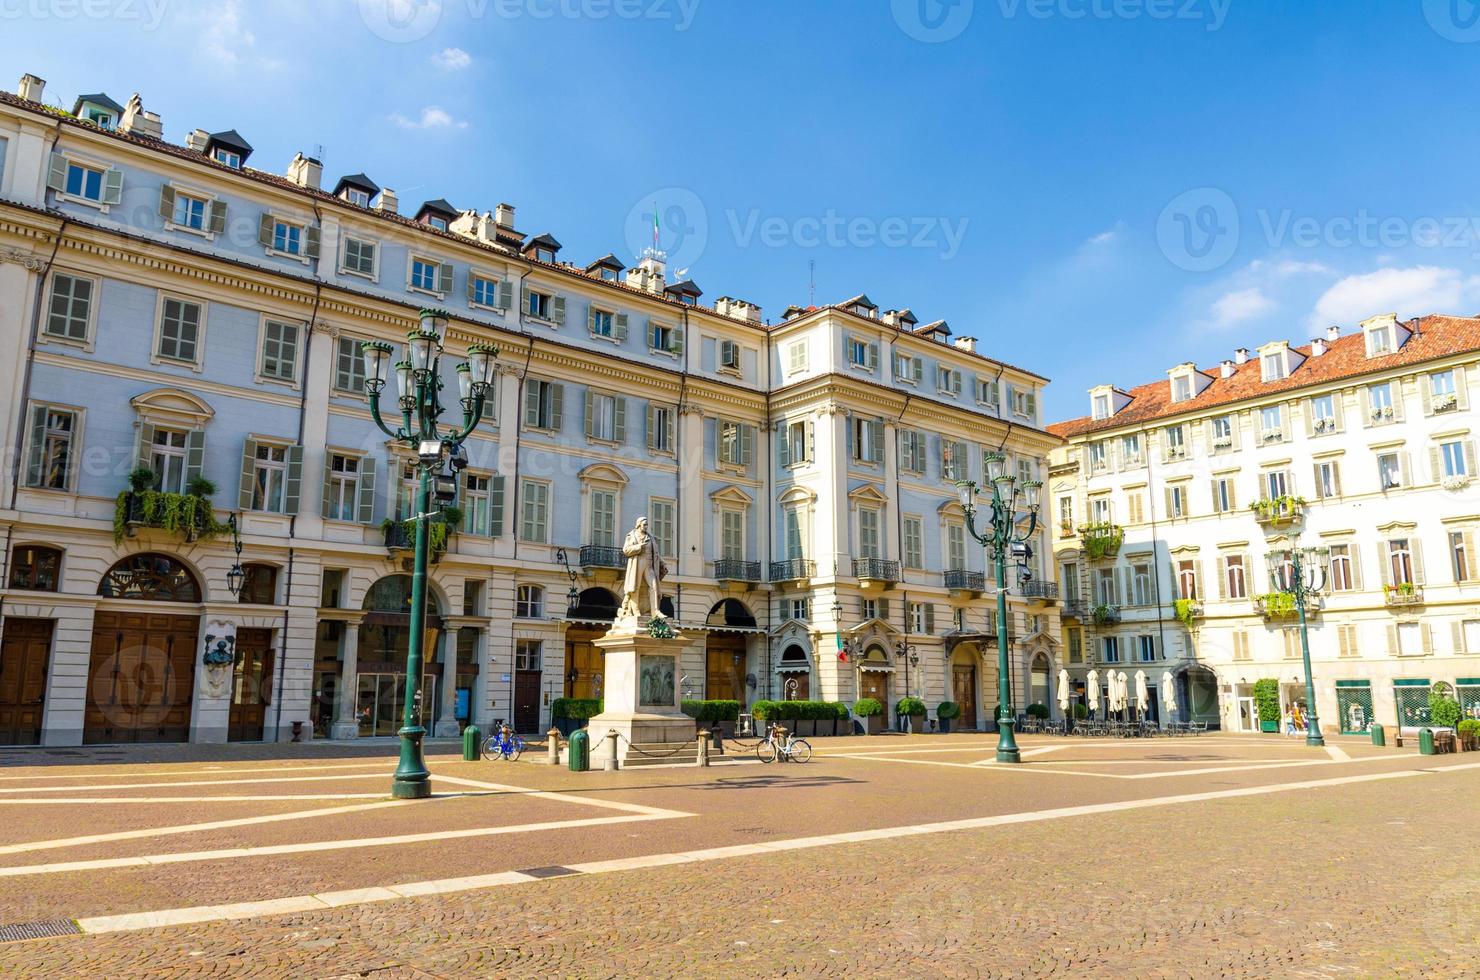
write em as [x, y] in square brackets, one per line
[439, 457]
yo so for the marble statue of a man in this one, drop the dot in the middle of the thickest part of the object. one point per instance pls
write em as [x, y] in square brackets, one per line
[645, 573]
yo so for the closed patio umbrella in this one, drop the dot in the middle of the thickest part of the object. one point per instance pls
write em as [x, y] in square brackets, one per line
[1063, 691]
[1093, 683]
[1168, 693]
[1123, 686]
[1143, 696]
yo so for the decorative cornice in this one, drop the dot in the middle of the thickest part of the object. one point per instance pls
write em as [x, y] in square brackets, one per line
[27, 261]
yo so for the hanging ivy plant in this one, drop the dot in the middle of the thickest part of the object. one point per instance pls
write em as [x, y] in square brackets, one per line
[1186, 611]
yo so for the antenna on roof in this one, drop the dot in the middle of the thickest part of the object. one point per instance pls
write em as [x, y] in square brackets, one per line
[811, 282]
[318, 153]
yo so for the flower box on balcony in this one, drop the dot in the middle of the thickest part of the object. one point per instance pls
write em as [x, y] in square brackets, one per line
[1105, 615]
[400, 536]
[186, 514]
[1276, 605]
[1323, 425]
[1101, 540]
[1382, 414]
[1277, 511]
[1404, 594]
[1187, 611]
[1444, 403]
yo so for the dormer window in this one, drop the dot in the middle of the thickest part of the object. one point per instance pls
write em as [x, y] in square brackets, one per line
[1272, 367]
[228, 157]
[1102, 406]
[100, 118]
[1379, 341]
[610, 275]
[1182, 388]
[357, 197]
[438, 223]
[544, 255]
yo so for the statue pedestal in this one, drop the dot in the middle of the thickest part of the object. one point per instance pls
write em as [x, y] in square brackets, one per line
[641, 696]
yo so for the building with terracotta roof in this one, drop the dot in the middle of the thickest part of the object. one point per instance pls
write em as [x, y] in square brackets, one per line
[1168, 497]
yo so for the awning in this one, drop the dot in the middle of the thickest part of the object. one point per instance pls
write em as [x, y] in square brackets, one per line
[793, 669]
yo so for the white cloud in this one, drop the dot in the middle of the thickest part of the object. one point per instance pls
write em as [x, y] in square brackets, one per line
[452, 59]
[1239, 305]
[1412, 291]
[225, 39]
[431, 117]
[1103, 238]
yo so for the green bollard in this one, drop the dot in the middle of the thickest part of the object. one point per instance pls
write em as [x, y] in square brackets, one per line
[1379, 735]
[472, 743]
[578, 751]
[1425, 741]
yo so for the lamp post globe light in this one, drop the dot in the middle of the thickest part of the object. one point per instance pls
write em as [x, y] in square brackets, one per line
[1003, 539]
[438, 456]
[1303, 572]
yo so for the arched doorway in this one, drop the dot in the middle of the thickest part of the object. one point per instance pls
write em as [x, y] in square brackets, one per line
[1040, 690]
[724, 651]
[384, 641]
[795, 670]
[874, 669]
[141, 673]
[964, 681]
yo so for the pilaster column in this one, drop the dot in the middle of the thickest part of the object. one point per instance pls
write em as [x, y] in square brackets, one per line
[892, 545]
[832, 524]
[346, 701]
[446, 726]
[691, 492]
[322, 338]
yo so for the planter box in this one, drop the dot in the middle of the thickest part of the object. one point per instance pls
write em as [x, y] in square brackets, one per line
[1270, 727]
[945, 725]
[916, 724]
[873, 725]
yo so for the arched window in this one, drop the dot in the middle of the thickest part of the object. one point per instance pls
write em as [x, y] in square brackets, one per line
[153, 577]
[595, 604]
[259, 587]
[731, 612]
[35, 568]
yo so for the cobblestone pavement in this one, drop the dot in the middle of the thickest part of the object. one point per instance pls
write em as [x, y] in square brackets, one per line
[1355, 863]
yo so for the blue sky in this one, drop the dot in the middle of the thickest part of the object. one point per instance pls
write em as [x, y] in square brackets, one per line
[1097, 189]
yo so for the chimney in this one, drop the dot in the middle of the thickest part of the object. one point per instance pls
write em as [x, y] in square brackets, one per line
[197, 140]
[966, 344]
[1228, 369]
[474, 225]
[31, 88]
[738, 309]
[648, 275]
[1317, 347]
[1332, 333]
[503, 216]
[1241, 356]
[387, 202]
[306, 172]
[137, 122]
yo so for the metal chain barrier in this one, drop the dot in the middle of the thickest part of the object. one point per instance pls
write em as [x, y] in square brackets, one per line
[653, 755]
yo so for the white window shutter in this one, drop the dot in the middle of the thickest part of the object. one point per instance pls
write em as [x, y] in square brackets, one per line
[56, 173]
[112, 186]
[166, 203]
[366, 491]
[249, 464]
[217, 221]
[505, 295]
[444, 278]
[557, 309]
[293, 485]
[264, 230]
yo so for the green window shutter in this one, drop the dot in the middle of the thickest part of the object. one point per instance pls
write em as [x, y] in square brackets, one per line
[328, 486]
[1032, 405]
[876, 443]
[264, 230]
[747, 444]
[311, 242]
[591, 319]
[677, 336]
[112, 186]
[532, 404]
[930, 617]
[650, 425]
[619, 420]
[557, 406]
[883, 609]
[506, 294]
[589, 403]
[471, 280]
[293, 490]
[873, 356]
[918, 369]
[496, 507]
[672, 435]
[195, 454]
[619, 326]
[35, 459]
[525, 293]
[249, 464]
[56, 173]
[783, 447]
[557, 309]
[145, 453]
[445, 278]
[366, 490]
[217, 220]
[166, 202]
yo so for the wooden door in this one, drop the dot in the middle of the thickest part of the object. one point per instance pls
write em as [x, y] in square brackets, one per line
[527, 702]
[963, 692]
[251, 686]
[721, 672]
[23, 658]
[876, 685]
[584, 663]
[140, 679]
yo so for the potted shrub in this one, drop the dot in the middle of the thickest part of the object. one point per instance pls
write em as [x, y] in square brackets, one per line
[913, 709]
[947, 712]
[1267, 702]
[569, 714]
[842, 718]
[1468, 734]
[869, 709]
[1444, 711]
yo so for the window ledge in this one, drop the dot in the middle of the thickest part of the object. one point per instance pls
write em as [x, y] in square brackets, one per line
[436, 294]
[664, 351]
[541, 321]
[608, 338]
[83, 345]
[500, 310]
[175, 362]
[86, 202]
[367, 276]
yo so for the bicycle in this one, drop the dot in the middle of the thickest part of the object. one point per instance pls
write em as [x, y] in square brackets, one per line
[503, 744]
[779, 744]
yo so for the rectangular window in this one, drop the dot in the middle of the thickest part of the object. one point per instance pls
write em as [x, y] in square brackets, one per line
[542, 404]
[858, 353]
[189, 212]
[604, 518]
[791, 530]
[602, 324]
[1343, 574]
[179, 330]
[734, 443]
[948, 381]
[1328, 479]
[1187, 580]
[229, 158]
[1452, 459]
[989, 392]
[71, 306]
[1176, 442]
[1098, 457]
[660, 524]
[167, 460]
[280, 350]
[426, 275]
[529, 602]
[84, 182]
[1459, 556]
[660, 428]
[868, 533]
[1379, 341]
[914, 543]
[1110, 649]
[1099, 510]
[662, 337]
[912, 451]
[1273, 366]
[798, 609]
[484, 292]
[1146, 647]
[538, 304]
[527, 655]
[1443, 395]
[1223, 432]
[1236, 580]
[1177, 500]
[956, 546]
[1102, 407]
[1389, 471]
[916, 613]
[1323, 414]
[287, 238]
[1130, 450]
[50, 463]
[1271, 423]
[729, 355]
[359, 257]
[269, 477]
[1181, 388]
[732, 534]
[1276, 484]
[535, 514]
[476, 505]
[1024, 403]
[1223, 497]
[602, 410]
[868, 440]
[797, 449]
[1076, 644]
[349, 366]
[1141, 584]
[1400, 562]
[342, 499]
[1380, 398]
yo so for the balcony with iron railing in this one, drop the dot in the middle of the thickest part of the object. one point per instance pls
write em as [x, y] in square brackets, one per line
[963, 582]
[1075, 609]
[737, 570]
[1101, 539]
[1403, 594]
[1041, 590]
[1105, 614]
[602, 556]
[793, 570]
[876, 571]
[1273, 512]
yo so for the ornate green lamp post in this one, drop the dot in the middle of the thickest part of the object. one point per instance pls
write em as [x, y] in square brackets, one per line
[1303, 572]
[1003, 539]
[438, 456]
